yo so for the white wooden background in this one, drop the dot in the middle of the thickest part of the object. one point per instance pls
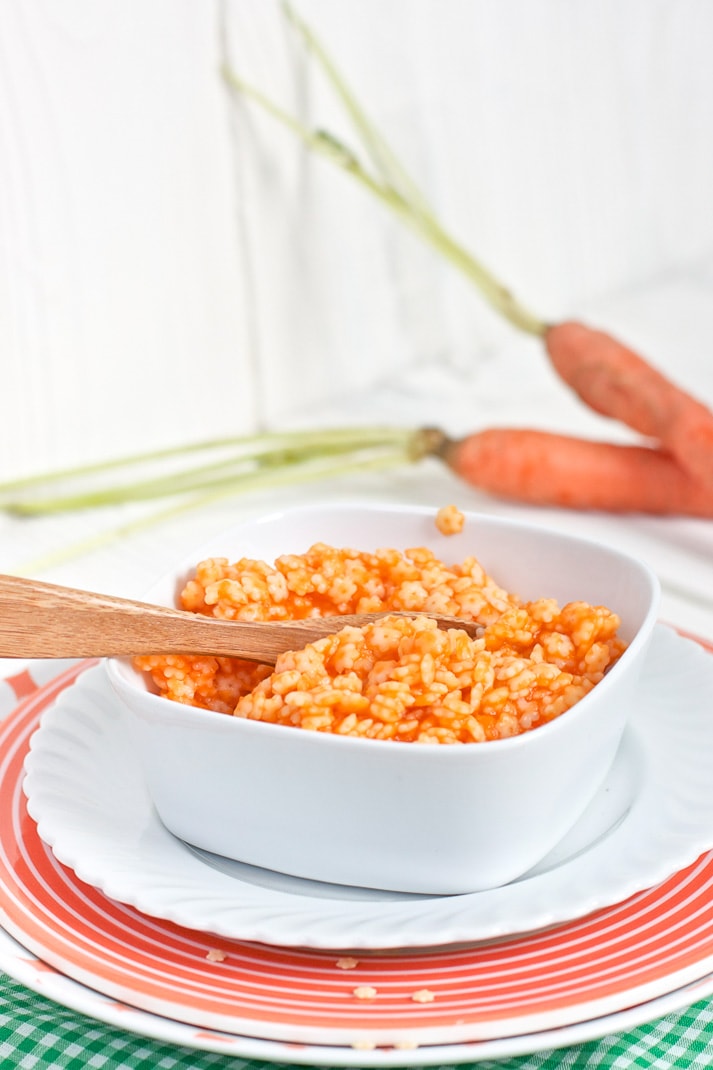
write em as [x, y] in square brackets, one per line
[174, 266]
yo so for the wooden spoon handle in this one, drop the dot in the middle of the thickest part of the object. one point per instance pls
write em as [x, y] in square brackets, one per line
[45, 620]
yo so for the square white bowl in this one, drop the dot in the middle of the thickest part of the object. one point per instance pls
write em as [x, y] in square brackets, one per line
[422, 818]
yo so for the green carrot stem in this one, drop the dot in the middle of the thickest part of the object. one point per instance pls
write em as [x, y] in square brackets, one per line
[238, 472]
[13, 486]
[398, 192]
[379, 151]
[252, 451]
[226, 489]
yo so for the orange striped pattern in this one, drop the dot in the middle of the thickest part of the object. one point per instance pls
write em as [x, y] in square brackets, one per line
[634, 951]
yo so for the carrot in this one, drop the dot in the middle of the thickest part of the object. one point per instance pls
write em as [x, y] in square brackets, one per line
[540, 468]
[614, 381]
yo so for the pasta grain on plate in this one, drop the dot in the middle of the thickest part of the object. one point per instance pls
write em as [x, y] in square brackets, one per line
[400, 679]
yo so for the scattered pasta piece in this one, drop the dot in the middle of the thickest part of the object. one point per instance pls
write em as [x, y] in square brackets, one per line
[216, 955]
[450, 520]
[365, 992]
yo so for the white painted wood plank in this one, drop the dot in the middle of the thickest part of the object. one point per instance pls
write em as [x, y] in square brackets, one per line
[151, 233]
[566, 143]
[122, 300]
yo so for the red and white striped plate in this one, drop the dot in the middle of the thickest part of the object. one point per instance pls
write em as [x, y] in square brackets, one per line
[652, 944]
[652, 816]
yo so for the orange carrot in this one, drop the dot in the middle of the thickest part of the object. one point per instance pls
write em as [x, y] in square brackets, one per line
[614, 381]
[540, 468]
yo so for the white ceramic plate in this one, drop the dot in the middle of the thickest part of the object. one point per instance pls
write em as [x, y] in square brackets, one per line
[612, 970]
[20, 964]
[653, 816]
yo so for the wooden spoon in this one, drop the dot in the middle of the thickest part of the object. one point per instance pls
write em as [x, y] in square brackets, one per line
[44, 620]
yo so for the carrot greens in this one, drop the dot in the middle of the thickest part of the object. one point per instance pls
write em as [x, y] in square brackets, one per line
[391, 184]
[242, 463]
[523, 465]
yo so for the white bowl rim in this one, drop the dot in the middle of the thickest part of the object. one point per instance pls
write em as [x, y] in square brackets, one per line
[123, 682]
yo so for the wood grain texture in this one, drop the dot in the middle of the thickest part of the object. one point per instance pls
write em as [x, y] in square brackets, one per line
[46, 620]
[121, 290]
[174, 266]
[565, 143]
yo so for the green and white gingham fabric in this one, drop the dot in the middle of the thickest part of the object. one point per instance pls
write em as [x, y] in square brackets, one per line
[36, 1034]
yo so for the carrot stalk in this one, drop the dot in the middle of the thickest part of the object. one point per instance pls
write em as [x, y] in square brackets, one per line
[540, 468]
[530, 467]
[390, 184]
[615, 381]
[610, 378]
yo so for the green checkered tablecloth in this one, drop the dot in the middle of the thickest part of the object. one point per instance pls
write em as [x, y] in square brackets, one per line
[37, 1034]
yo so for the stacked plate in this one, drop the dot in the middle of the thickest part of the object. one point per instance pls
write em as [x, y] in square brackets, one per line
[108, 913]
